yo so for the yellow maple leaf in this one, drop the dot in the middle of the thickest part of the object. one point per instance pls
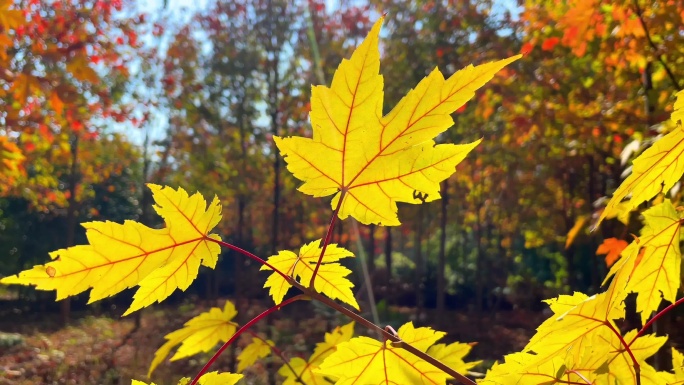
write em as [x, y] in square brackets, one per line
[676, 378]
[10, 19]
[608, 362]
[653, 261]
[452, 355]
[199, 334]
[378, 161]
[120, 256]
[363, 360]
[579, 322]
[306, 370]
[656, 170]
[330, 279]
[211, 378]
[257, 349]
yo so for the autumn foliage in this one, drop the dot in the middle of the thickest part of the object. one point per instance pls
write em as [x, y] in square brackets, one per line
[368, 161]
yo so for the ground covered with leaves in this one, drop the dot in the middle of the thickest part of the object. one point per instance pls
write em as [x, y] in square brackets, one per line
[105, 349]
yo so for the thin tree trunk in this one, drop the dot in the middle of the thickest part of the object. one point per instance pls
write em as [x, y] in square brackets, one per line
[65, 304]
[371, 249]
[441, 257]
[420, 263]
[388, 254]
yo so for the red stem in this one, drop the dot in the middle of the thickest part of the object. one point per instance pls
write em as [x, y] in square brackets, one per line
[280, 355]
[251, 256]
[239, 332]
[655, 318]
[637, 368]
[328, 235]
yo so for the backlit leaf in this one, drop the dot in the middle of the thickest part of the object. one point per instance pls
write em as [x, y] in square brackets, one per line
[379, 161]
[330, 279]
[211, 378]
[656, 170]
[612, 247]
[452, 355]
[256, 350]
[653, 261]
[306, 369]
[363, 360]
[199, 334]
[579, 324]
[120, 256]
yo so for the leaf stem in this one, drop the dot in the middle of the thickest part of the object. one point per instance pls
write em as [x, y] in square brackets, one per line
[656, 318]
[278, 353]
[251, 256]
[242, 329]
[328, 235]
[637, 367]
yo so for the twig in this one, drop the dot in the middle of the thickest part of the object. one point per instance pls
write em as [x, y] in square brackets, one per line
[249, 255]
[280, 355]
[635, 363]
[670, 74]
[656, 318]
[239, 332]
[328, 235]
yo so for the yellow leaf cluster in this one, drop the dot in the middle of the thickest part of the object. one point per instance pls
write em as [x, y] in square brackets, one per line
[580, 343]
[298, 368]
[211, 378]
[121, 256]
[373, 161]
[330, 279]
[656, 170]
[199, 334]
[363, 360]
[653, 260]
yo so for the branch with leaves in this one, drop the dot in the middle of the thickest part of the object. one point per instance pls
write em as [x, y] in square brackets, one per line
[370, 162]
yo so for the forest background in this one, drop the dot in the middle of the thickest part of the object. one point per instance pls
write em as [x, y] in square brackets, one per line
[98, 98]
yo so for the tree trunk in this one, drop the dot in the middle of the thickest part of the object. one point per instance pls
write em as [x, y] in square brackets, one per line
[388, 254]
[65, 304]
[441, 257]
[420, 263]
[371, 249]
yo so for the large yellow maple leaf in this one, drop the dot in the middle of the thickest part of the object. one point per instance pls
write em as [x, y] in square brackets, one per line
[652, 262]
[306, 370]
[655, 170]
[363, 360]
[378, 160]
[199, 334]
[330, 279]
[121, 256]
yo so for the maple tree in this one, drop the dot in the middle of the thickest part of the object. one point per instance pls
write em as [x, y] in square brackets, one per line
[369, 162]
[159, 261]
